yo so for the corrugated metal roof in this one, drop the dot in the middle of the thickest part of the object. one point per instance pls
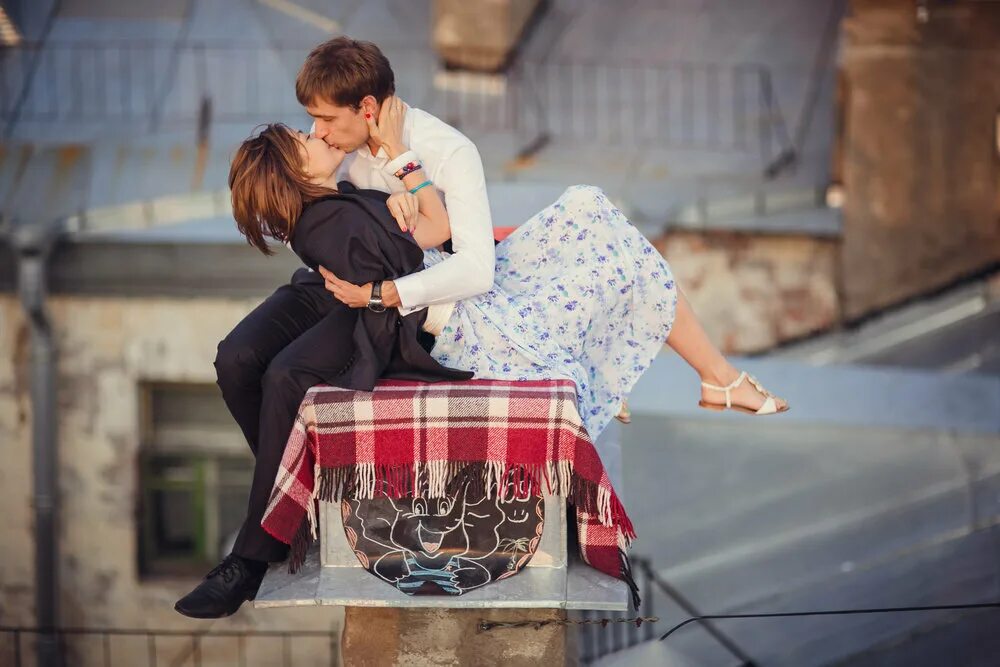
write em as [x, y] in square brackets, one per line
[42, 183]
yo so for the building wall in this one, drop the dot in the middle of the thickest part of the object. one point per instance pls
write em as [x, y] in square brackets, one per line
[751, 292]
[921, 169]
[755, 291]
[107, 347]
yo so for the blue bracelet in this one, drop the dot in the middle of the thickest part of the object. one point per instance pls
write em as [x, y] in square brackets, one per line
[422, 185]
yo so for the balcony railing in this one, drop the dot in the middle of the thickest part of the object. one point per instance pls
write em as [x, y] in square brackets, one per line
[725, 107]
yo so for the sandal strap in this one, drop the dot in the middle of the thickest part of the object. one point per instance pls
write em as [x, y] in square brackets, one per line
[728, 388]
[770, 406]
[758, 386]
[731, 385]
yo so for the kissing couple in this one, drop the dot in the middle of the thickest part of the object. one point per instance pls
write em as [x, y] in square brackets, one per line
[386, 206]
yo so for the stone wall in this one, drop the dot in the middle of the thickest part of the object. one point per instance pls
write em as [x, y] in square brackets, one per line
[755, 291]
[107, 346]
[920, 156]
[376, 637]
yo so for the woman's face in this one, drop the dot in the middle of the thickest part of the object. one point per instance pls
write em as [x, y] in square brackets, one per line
[319, 160]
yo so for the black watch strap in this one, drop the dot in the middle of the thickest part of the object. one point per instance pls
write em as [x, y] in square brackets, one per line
[375, 301]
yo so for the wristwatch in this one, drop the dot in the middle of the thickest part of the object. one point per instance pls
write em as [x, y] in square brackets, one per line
[375, 302]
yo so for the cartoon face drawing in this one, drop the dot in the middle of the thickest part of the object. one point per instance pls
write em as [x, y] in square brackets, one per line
[446, 545]
[430, 526]
[515, 490]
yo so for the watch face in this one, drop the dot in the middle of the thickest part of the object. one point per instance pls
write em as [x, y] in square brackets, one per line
[376, 306]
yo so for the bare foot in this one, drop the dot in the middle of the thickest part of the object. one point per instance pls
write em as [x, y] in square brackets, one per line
[745, 394]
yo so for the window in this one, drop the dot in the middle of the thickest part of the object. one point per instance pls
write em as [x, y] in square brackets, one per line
[195, 470]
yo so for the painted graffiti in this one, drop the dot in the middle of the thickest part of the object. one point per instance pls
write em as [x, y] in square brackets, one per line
[449, 545]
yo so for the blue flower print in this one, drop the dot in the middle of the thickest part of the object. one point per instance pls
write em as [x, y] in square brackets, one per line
[578, 293]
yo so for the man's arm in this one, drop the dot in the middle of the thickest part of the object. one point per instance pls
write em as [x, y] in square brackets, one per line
[469, 271]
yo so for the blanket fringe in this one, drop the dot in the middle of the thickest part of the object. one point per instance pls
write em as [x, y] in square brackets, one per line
[441, 478]
[626, 576]
[305, 536]
[437, 479]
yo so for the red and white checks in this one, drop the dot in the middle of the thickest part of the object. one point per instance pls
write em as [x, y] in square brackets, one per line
[413, 437]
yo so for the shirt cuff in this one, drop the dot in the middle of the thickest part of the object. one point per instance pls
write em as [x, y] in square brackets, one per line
[409, 291]
[400, 161]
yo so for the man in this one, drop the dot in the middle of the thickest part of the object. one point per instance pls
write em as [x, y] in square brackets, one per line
[450, 160]
[343, 85]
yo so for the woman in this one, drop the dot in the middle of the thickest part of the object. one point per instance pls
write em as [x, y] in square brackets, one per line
[579, 293]
[301, 336]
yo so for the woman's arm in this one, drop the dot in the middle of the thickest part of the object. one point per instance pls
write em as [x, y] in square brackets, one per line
[429, 223]
[429, 231]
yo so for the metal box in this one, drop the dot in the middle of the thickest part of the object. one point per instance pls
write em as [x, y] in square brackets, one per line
[554, 578]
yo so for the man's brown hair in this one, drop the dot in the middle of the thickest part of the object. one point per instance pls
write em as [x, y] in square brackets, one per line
[269, 186]
[344, 71]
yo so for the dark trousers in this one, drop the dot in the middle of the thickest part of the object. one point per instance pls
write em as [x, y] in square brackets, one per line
[289, 343]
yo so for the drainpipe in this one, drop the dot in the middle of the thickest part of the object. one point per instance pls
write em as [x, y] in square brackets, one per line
[33, 244]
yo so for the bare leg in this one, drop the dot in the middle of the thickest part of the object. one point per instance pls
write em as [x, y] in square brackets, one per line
[689, 340]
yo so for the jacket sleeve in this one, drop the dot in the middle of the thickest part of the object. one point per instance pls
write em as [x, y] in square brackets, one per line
[341, 238]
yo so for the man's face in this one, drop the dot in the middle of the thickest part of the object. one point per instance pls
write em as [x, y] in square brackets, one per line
[343, 128]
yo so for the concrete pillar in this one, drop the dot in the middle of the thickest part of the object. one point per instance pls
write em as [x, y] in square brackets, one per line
[921, 164]
[384, 637]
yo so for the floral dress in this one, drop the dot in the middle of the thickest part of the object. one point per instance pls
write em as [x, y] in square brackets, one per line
[579, 293]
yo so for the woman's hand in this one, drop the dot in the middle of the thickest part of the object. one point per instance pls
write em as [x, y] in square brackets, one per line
[357, 296]
[405, 208]
[388, 131]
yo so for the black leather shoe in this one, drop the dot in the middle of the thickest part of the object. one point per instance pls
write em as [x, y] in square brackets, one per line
[227, 586]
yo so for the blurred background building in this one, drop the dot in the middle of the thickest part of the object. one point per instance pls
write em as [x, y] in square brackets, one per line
[822, 175]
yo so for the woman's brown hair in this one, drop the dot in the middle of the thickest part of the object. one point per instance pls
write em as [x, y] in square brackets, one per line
[269, 186]
[344, 71]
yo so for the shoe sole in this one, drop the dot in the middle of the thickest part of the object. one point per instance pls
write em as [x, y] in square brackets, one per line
[719, 407]
[205, 616]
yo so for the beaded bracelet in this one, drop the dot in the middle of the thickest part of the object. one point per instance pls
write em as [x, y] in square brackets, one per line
[408, 168]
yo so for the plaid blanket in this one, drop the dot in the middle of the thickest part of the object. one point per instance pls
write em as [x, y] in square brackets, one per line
[412, 437]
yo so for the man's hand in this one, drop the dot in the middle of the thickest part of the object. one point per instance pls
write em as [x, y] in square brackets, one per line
[405, 209]
[357, 296]
[387, 132]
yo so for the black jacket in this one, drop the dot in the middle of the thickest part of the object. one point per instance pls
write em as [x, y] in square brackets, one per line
[353, 235]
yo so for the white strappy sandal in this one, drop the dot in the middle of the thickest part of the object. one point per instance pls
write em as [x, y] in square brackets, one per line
[770, 406]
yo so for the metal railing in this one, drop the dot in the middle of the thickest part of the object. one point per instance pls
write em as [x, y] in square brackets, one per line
[99, 646]
[686, 105]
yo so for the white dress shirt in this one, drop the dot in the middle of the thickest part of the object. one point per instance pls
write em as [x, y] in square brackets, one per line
[452, 163]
